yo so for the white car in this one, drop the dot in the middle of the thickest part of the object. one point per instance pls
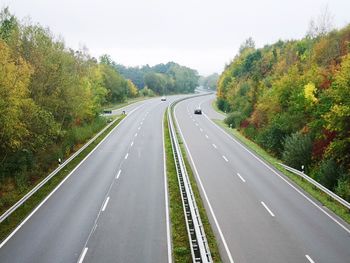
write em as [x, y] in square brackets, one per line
[163, 99]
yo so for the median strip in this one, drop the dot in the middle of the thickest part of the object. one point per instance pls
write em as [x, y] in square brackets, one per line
[180, 243]
[212, 243]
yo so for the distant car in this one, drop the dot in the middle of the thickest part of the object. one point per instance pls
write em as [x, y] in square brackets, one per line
[163, 99]
[197, 111]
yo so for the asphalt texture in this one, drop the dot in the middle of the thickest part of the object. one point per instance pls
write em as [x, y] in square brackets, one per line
[257, 214]
[77, 223]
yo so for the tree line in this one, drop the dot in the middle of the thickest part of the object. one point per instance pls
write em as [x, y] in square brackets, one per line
[169, 78]
[209, 82]
[293, 99]
[51, 99]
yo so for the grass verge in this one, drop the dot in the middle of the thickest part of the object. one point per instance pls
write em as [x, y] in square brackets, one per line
[323, 198]
[215, 107]
[126, 103]
[10, 223]
[180, 242]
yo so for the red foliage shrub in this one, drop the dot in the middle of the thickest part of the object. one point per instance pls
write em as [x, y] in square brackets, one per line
[320, 145]
[245, 123]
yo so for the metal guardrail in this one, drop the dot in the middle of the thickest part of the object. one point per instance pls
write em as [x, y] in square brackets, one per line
[318, 185]
[52, 174]
[198, 241]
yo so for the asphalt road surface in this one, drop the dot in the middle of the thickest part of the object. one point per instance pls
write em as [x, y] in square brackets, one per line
[112, 208]
[256, 213]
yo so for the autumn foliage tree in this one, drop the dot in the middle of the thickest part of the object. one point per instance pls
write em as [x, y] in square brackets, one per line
[293, 93]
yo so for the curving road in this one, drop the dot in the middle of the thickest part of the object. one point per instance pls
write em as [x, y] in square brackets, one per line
[112, 208]
[258, 215]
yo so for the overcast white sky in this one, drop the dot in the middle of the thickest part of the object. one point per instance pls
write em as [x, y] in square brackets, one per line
[202, 34]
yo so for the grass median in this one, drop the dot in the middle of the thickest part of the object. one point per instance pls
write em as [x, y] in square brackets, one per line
[180, 242]
[205, 220]
[10, 223]
[213, 246]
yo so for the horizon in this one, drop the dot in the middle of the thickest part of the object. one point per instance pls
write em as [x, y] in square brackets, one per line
[202, 35]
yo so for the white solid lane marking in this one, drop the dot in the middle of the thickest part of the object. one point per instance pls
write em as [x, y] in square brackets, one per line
[166, 195]
[225, 158]
[83, 255]
[205, 193]
[139, 128]
[309, 259]
[141, 123]
[126, 156]
[132, 143]
[214, 146]
[193, 119]
[280, 176]
[118, 174]
[201, 129]
[135, 134]
[94, 228]
[240, 177]
[270, 212]
[196, 124]
[105, 204]
[206, 136]
[63, 181]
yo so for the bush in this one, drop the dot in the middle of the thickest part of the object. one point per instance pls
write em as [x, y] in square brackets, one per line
[223, 105]
[297, 150]
[146, 92]
[272, 138]
[249, 131]
[234, 119]
[328, 174]
[343, 187]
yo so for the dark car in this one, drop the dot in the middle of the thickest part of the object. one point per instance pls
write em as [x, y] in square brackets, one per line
[163, 99]
[197, 111]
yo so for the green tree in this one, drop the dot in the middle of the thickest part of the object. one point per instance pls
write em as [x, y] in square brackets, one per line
[297, 150]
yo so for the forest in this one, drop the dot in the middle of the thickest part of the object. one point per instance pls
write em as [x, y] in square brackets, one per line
[209, 82]
[293, 99]
[51, 99]
[169, 78]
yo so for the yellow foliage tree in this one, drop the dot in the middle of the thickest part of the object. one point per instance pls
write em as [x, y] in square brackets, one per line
[14, 80]
[309, 92]
[133, 91]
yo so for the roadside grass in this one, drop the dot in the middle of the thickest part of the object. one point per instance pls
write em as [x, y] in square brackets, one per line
[180, 242]
[323, 198]
[215, 107]
[213, 246]
[10, 223]
[126, 103]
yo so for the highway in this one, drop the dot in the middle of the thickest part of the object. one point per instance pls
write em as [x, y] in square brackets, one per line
[112, 208]
[257, 214]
